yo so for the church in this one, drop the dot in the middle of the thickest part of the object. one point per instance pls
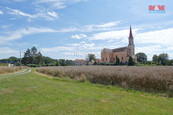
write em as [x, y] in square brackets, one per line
[123, 53]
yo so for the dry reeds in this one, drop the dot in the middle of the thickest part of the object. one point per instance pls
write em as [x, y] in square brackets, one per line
[4, 70]
[146, 78]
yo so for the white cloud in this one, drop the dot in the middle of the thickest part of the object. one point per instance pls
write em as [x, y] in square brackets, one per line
[80, 36]
[42, 14]
[92, 27]
[58, 4]
[26, 31]
[162, 37]
[56, 51]
[7, 52]
[113, 35]
[17, 12]
[72, 51]
[1, 12]
[110, 24]
[53, 14]
[102, 27]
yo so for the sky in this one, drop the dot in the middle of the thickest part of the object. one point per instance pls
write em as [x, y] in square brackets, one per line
[70, 29]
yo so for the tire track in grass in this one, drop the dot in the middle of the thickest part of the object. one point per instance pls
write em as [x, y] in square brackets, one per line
[15, 74]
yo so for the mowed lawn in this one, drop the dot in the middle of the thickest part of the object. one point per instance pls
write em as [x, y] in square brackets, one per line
[36, 94]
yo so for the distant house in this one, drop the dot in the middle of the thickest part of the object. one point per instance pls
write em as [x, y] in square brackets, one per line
[98, 61]
[10, 65]
[80, 62]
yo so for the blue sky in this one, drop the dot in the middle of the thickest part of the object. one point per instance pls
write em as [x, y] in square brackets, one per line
[71, 29]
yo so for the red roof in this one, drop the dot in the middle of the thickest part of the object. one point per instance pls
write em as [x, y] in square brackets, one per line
[79, 60]
[98, 60]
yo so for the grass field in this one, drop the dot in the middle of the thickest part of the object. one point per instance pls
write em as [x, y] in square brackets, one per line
[36, 94]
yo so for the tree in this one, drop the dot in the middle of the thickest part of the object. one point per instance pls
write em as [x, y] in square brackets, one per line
[62, 62]
[141, 57]
[32, 56]
[48, 60]
[155, 58]
[57, 63]
[163, 58]
[12, 59]
[170, 62]
[117, 60]
[27, 57]
[131, 62]
[39, 58]
[91, 57]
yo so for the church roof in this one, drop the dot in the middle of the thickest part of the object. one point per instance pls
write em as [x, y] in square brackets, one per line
[119, 49]
[108, 50]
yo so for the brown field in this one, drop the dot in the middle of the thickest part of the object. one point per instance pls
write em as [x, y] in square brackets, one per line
[158, 79]
[4, 70]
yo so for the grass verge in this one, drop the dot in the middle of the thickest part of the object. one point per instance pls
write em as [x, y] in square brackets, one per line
[35, 94]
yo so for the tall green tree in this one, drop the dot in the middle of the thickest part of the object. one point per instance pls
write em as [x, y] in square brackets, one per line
[141, 57]
[62, 62]
[27, 57]
[39, 59]
[32, 56]
[163, 58]
[131, 61]
[155, 58]
[91, 57]
[117, 60]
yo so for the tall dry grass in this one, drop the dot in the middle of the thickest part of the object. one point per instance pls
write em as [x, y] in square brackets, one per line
[4, 70]
[149, 78]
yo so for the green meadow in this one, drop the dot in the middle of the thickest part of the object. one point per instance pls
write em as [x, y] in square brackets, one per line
[33, 93]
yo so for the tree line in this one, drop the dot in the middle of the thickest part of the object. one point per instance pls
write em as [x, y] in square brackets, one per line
[161, 59]
[32, 57]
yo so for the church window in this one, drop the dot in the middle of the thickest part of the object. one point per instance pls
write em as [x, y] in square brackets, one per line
[106, 59]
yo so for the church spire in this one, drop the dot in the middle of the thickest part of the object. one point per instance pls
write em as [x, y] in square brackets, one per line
[131, 37]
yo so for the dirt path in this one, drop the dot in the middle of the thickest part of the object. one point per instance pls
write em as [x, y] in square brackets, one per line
[15, 74]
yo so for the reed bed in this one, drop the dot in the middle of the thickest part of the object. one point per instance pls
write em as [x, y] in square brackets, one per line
[4, 70]
[150, 78]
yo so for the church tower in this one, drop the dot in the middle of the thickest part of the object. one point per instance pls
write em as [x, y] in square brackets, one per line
[131, 43]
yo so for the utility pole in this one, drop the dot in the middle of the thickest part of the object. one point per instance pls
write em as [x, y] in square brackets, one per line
[20, 61]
